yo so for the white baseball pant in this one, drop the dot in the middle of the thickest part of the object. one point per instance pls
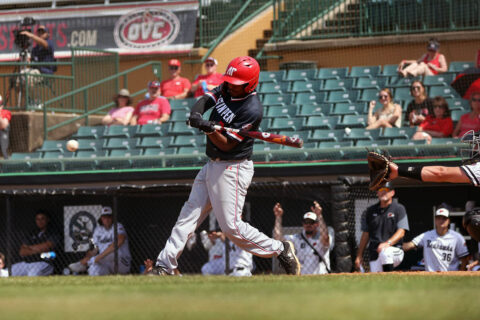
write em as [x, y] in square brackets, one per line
[32, 269]
[390, 255]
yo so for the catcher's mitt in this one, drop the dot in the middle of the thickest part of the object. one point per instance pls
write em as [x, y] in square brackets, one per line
[379, 169]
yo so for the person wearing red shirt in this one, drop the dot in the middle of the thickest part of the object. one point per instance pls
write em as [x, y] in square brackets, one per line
[5, 117]
[438, 125]
[152, 110]
[176, 87]
[208, 81]
[471, 120]
[430, 64]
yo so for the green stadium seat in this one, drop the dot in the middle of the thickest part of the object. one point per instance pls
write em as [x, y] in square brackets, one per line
[185, 104]
[320, 122]
[91, 144]
[57, 154]
[182, 128]
[400, 82]
[389, 70]
[458, 104]
[364, 71]
[359, 153]
[353, 121]
[332, 73]
[456, 114]
[370, 83]
[125, 153]
[273, 87]
[341, 109]
[459, 66]
[369, 95]
[121, 143]
[349, 96]
[53, 145]
[286, 124]
[189, 141]
[325, 154]
[306, 86]
[372, 143]
[407, 142]
[445, 141]
[310, 98]
[264, 124]
[357, 134]
[156, 142]
[91, 154]
[153, 158]
[402, 94]
[335, 144]
[401, 151]
[315, 109]
[261, 151]
[398, 133]
[25, 155]
[302, 134]
[320, 135]
[159, 152]
[443, 91]
[289, 111]
[86, 132]
[179, 115]
[271, 76]
[118, 163]
[120, 132]
[276, 99]
[153, 130]
[300, 74]
[338, 84]
[443, 79]
[187, 156]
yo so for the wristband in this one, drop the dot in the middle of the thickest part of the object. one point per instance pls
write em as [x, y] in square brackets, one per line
[410, 172]
[389, 243]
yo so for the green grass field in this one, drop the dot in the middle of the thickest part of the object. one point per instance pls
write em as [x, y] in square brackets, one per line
[371, 296]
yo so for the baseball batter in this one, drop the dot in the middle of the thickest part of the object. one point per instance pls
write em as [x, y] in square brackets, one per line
[442, 248]
[224, 180]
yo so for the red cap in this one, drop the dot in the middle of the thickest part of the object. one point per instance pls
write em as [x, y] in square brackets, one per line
[174, 62]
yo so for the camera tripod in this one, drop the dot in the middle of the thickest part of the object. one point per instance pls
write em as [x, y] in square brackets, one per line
[18, 81]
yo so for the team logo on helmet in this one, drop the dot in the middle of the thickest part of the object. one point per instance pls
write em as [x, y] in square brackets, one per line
[243, 71]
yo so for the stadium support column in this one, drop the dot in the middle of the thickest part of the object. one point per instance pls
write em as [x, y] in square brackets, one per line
[8, 210]
[115, 234]
[342, 252]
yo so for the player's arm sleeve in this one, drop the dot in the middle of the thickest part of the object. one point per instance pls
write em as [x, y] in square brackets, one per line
[205, 102]
[473, 173]
[402, 218]
[418, 240]
[121, 229]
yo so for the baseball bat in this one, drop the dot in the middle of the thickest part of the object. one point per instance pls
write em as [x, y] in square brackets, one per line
[265, 136]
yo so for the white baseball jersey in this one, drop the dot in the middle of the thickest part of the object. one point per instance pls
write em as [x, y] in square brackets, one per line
[311, 263]
[441, 253]
[238, 259]
[473, 173]
[103, 238]
[3, 273]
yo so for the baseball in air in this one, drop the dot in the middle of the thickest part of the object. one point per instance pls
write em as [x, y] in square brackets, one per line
[72, 145]
[347, 131]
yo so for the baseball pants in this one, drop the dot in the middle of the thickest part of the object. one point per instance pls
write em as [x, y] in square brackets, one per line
[106, 266]
[223, 184]
[390, 255]
[32, 269]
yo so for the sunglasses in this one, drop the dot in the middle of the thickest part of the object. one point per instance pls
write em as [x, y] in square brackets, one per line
[475, 100]
[309, 222]
[415, 88]
[209, 64]
[173, 67]
[383, 96]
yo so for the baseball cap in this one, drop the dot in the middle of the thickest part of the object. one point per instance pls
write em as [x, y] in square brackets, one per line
[124, 93]
[106, 211]
[442, 212]
[154, 84]
[174, 62]
[310, 215]
[212, 59]
[433, 45]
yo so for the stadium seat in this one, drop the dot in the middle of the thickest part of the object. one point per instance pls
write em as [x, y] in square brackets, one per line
[398, 151]
[349, 96]
[271, 76]
[90, 144]
[369, 95]
[86, 132]
[402, 94]
[320, 135]
[182, 128]
[286, 124]
[310, 98]
[261, 151]
[408, 142]
[121, 143]
[341, 109]
[399, 81]
[185, 104]
[264, 124]
[356, 134]
[358, 153]
[306, 86]
[179, 115]
[458, 104]
[372, 143]
[125, 153]
[332, 73]
[53, 145]
[316, 110]
[459, 66]
[338, 84]
[156, 142]
[120, 132]
[187, 156]
[335, 144]
[153, 130]
[276, 99]
[456, 114]
[57, 154]
[289, 111]
[189, 141]
[443, 91]
[389, 70]
[325, 154]
[320, 122]
[274, 87]
[398, 133]
[122, 160]
[22, 165]
[300, 74]
[443, 79]
[302, 134]
[152, 158]
[365, 71]
[370, 83]
[353, 121]
[90, 154]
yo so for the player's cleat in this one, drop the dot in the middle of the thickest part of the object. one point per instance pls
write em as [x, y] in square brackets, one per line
[77, 267]
[289, 260]
[158, 271]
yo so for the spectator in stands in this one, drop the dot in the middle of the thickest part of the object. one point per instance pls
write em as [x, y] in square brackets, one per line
[420, 107]
[3, 270]
[206, 82]
[436, 125]
[175, 87]
[5, 117]
[152, 110]
[430, 64]
[312, 244]
[390, 115]
[123, 111]
[41, 240]
[100, 260]
[43, 50]
[443, 249]
[383, 228]
[471, 120]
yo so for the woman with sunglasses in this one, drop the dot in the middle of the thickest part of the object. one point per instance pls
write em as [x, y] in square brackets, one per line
[430, 64]
[207, 82]
[390, 115]
[420, 107]
[439, 124]
[471, 120]
[122, 113]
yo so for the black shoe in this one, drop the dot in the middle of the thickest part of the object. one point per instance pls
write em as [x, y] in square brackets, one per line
[289, 260]
[158, 271]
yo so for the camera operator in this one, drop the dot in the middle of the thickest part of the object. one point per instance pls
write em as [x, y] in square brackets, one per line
[43, 51]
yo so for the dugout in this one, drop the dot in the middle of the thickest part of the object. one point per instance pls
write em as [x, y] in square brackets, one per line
[147, 203]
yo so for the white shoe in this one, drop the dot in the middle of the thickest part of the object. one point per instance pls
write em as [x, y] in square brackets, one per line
[77, 267]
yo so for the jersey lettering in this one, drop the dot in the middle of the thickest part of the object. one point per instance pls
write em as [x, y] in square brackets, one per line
[231, 70]
[224, 111]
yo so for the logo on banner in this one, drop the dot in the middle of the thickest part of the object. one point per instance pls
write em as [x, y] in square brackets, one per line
[146, 29]
[79, 224]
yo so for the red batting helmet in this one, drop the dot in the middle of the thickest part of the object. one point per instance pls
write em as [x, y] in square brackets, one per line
[243, 70]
